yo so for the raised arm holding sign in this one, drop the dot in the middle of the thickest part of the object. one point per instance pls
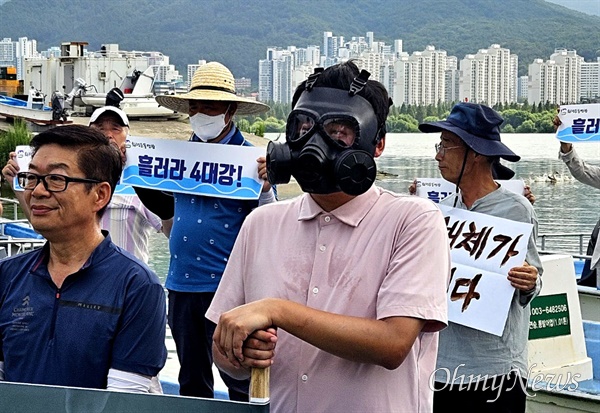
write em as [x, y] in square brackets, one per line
[580, 123]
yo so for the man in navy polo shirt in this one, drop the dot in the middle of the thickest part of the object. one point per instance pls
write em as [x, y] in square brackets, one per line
[79, 311]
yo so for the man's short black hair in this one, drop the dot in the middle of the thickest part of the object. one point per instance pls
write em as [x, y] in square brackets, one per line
[97, 157]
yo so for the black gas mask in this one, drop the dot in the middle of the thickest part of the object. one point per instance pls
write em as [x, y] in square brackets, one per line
[331, 137]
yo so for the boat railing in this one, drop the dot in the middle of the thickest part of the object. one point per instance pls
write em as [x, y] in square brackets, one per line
[13, 204]
[575, 240]
[12, 245]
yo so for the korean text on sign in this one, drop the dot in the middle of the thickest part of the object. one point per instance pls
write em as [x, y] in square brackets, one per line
[483, 249]
[224, 171]
[579, 123]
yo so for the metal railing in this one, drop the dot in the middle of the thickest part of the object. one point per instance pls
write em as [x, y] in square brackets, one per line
[13, 245]
[582, 240]
[14, 204]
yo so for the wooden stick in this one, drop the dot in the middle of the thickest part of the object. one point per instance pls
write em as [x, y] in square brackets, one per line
[259, 385]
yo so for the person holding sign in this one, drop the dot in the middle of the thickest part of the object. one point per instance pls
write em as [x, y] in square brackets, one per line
[126, 218]
[589, 175]
[203, 228]
[79, 311]
[351, 286]
[493, 368]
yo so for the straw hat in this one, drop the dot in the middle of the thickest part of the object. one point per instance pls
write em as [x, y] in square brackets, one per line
[212, 81]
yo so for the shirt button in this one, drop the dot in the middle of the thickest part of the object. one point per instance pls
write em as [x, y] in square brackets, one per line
[304, 377]
[322, 248]
[212, 276]
[315, 290]
[327, 218]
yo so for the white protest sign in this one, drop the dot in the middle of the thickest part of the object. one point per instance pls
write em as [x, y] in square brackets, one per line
[579, 123]
[23, 159]
[437, 189]
[225, 171]
[483, 249]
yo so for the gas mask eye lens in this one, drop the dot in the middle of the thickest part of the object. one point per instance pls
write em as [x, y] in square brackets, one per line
[299, 124]
[343, 131]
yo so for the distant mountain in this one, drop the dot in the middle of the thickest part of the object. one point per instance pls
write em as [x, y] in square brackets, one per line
[237, 32]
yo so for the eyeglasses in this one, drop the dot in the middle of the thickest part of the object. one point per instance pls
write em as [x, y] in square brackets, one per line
[52, 182]
[439, 148]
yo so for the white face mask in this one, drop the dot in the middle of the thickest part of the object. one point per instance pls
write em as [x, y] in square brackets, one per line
[207, 127]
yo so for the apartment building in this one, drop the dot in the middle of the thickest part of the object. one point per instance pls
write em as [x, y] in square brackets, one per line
[489, 76]
[556, 80]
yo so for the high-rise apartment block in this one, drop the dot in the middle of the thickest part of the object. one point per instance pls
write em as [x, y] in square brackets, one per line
[8, 52]
[191, 69]
[15, 53]
[590, 81]
[489, 76]
[556, 80]
[422, 78]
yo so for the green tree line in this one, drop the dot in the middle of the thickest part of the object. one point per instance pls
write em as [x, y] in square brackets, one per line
[518, 118]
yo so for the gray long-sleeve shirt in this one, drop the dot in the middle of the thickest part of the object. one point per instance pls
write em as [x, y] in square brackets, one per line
[467, 351]
[589, 175]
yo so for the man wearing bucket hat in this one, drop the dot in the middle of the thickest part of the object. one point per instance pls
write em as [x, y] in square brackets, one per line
[470, 145]
[204, 228]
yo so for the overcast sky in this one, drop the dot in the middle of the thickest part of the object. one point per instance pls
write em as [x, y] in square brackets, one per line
[585, 6]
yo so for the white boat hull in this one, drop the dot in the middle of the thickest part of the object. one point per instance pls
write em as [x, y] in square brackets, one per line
[13, 108]
[135, 106]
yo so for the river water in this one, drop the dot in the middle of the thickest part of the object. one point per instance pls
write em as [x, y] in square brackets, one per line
[564, 207]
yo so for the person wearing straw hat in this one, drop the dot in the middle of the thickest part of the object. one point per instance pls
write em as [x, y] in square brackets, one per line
[486, 372]
[354, 279]
[203, 228]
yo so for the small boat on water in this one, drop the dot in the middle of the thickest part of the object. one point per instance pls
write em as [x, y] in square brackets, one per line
[34, 109]
[135, 93]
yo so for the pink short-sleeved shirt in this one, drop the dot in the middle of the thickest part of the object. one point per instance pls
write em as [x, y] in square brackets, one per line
[380, 255]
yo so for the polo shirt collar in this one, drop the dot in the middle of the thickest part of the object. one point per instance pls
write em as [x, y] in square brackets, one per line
[351, 213]
[102, 251]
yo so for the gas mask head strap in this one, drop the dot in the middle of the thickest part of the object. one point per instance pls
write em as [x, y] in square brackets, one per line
[310, 82]
[359, 82]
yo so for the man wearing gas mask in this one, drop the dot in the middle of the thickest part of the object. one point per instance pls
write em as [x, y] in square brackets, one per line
[351, 288]
[203, 228]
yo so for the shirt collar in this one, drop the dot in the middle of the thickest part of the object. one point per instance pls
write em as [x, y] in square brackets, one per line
[100, 252]
[351, 213]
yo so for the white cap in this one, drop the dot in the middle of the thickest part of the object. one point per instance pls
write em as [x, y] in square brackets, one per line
[98, 112]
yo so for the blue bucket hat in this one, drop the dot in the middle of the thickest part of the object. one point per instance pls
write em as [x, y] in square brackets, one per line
[479, 128]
